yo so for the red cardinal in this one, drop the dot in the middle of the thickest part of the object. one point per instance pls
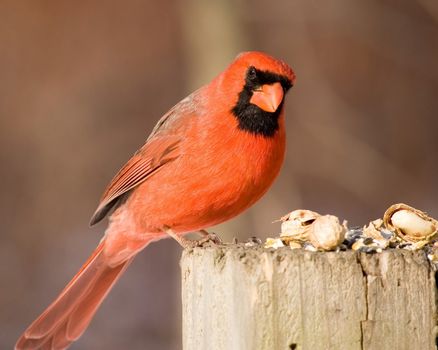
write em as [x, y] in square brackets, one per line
[208, 159]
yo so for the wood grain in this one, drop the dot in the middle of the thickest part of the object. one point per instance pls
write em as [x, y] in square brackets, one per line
[253, 298]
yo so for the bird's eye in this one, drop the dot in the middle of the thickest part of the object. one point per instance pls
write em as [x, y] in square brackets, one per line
[252, 73]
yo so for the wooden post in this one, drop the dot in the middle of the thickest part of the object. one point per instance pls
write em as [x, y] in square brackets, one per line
[238, 298]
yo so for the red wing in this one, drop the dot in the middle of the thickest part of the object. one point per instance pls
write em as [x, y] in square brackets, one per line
[149, 159]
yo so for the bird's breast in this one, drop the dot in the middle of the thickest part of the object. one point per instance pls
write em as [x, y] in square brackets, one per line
[221, 171]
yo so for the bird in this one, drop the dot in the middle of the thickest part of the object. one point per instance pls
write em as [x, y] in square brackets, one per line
[209, 158]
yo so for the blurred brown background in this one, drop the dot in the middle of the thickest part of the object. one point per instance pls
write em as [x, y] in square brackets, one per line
[83, 83]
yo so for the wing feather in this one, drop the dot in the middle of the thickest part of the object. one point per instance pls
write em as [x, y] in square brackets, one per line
[160, 148]
[148, 160]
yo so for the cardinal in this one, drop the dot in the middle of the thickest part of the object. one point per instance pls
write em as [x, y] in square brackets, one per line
[209, 158]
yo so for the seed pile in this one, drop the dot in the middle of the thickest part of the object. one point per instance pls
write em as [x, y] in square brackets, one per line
[402, 227]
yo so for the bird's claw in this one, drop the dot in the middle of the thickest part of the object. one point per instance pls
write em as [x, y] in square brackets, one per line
[209, 237]
[186, 243]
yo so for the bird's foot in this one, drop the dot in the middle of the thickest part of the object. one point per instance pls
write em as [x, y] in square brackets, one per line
[209, 237]
[188, 243]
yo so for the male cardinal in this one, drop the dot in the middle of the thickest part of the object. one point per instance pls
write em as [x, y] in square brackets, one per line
[209, 158]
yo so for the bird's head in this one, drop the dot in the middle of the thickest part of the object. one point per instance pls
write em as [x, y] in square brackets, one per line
[258, 84]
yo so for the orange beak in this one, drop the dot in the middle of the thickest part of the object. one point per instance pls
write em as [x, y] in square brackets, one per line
[268, 97]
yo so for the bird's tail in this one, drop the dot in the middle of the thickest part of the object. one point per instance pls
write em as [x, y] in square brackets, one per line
[68, 316]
